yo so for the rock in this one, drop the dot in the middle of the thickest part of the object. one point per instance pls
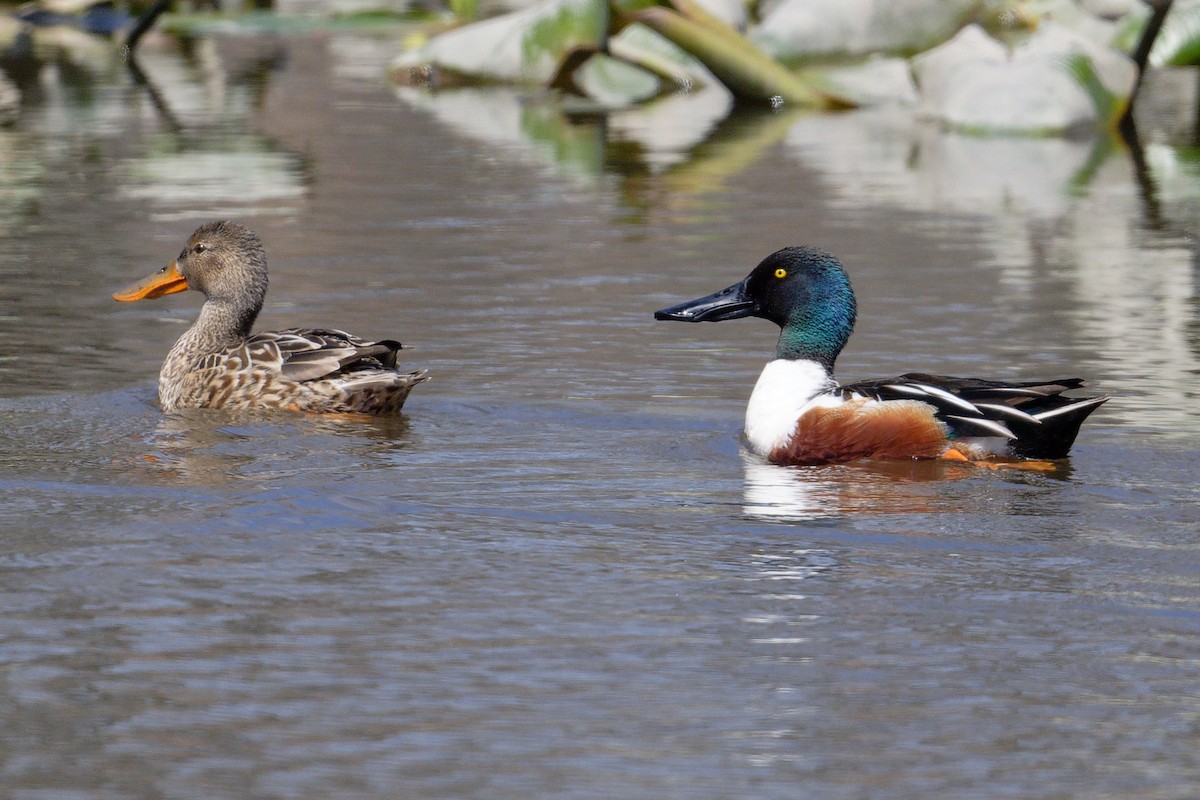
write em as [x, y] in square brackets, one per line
[800, 29]
[1108, 9]
[731, 12]
[613, 83]
[524, 46]
[1099, 28]
[1054, 83]
[875, 82]
[1178, 42]
[638, 44]
[10, 101]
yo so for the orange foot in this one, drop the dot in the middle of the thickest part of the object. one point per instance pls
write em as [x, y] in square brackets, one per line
[953, 454]
[1029, 466]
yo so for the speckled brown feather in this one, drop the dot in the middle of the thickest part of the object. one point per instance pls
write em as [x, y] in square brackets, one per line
[217, 363]
[255, 374]
[864, 429]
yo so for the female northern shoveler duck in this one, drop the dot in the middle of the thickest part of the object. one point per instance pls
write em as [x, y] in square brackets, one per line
[798, 414]
[218, 363]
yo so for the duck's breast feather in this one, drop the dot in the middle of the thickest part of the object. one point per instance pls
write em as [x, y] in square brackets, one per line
[864, 428]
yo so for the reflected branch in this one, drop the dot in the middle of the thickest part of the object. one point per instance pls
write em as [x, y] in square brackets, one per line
[144, 23]
[156, 99]
[1141, 55]
[1147, 191]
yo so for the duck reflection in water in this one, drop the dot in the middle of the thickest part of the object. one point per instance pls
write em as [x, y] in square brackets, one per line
[868, 487]
[206, 448]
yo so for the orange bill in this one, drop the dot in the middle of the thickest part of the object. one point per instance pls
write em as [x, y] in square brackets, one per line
[166, 281]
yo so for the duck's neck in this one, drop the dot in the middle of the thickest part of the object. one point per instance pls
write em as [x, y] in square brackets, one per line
[817, 333]
[221, 325]
[786, 389]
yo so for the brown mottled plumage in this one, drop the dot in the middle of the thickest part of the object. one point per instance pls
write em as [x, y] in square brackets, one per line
[218, 363]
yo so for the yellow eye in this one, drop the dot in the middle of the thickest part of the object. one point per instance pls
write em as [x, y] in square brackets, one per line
[781, 273]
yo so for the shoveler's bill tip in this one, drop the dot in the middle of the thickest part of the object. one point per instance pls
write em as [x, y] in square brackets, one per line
[730, 303]
[166, 281]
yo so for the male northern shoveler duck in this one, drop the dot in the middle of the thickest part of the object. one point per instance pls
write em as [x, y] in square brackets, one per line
[218, 363]
[798, 414]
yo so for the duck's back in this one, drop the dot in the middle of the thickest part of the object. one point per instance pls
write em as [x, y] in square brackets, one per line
[314, 370]
[1034, 419]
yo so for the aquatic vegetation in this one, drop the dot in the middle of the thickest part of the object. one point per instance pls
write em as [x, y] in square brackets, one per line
[982, 67]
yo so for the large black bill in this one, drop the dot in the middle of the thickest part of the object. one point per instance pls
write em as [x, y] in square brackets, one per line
[731, 303]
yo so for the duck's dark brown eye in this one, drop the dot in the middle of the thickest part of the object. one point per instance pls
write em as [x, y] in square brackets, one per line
[200, 247]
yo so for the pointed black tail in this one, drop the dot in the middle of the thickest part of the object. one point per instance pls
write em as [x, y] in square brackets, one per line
[1056, 427]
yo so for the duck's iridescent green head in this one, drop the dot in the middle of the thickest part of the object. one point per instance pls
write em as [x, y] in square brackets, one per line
[803, 290]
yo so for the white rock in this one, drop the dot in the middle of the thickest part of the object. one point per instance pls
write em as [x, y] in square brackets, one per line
[638, 44]
[797, 29]
[973, 83]
[524, 46]
[876, 82]
[613, 83]
[1108, 9]
[10, 100]
[731, 12]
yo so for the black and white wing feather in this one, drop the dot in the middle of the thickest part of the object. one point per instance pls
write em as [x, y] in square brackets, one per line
[1035, 417]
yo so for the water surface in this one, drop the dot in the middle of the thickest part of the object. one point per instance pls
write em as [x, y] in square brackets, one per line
[558, 575]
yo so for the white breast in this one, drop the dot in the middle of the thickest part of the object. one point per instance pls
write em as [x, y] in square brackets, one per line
[785, 390]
